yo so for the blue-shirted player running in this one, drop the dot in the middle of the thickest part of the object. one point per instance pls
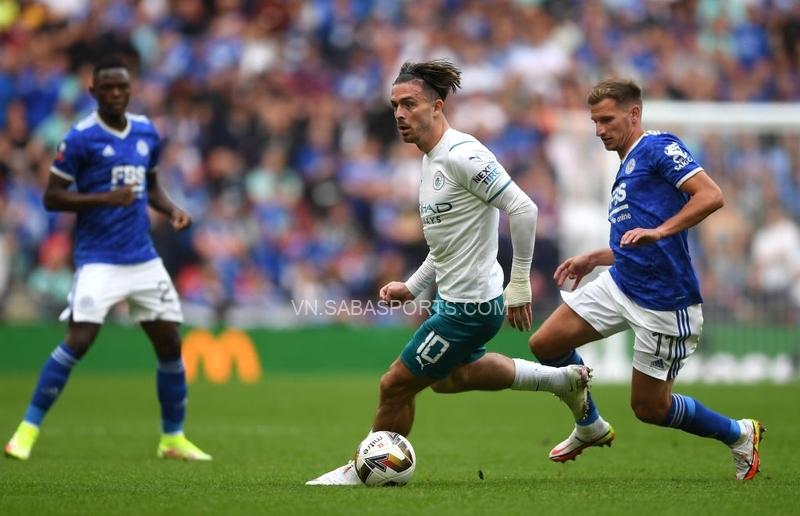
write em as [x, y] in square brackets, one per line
[660, 191]
[110, 157]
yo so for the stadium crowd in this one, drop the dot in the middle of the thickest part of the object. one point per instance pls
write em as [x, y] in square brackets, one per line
[279, 140]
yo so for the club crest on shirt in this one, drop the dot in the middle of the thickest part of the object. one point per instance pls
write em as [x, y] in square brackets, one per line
[62, 147]
[142, 148]
[630, 166]
[438, 180]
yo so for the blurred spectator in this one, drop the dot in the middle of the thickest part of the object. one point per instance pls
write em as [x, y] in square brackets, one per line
[279, 140]
[776, 265]
[50, 282]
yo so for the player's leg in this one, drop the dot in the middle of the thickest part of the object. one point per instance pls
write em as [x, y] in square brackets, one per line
[588, 314]
[156, 306]
[398, 390]
[453, 333]
[52, 380]
[659, 353]
[94, 291]
[554, 344]
[495, 371]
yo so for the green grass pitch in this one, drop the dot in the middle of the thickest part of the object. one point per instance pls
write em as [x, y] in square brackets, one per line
[96, 454]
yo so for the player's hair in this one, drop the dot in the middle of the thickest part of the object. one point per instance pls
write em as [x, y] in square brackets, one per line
[438, 76]
[109, 61]
[623, 91]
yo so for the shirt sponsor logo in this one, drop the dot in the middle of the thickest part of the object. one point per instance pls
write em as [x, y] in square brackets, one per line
[489, 174]
[678, 155]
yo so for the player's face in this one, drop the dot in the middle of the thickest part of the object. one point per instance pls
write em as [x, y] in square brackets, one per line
[112, 90]
[613, 123]
[413, 111]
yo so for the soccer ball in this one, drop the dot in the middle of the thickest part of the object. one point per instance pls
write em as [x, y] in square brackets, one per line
[385, 459]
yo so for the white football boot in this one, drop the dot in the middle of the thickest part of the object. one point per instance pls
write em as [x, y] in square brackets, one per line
[599, 433]
[745, 451]
[342, 476]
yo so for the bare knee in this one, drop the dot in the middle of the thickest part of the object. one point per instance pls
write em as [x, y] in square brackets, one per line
[394, 389]
[80, 337]
[650, 411]
[541, 348]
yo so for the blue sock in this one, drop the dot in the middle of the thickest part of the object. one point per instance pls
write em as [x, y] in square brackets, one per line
[52, 379]
[691, 416]
[171, 385]
[575, 358]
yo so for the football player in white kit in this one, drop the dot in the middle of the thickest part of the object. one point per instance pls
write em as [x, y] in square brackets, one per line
[462, 189]
[660, 191]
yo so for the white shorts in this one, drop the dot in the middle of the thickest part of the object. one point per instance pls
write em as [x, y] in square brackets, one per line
[664, 340]
[146, 286]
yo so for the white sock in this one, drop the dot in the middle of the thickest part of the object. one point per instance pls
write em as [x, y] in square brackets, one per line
[531, 376]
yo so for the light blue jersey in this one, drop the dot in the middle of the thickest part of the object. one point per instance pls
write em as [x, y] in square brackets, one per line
[98, 158]
[647, 192]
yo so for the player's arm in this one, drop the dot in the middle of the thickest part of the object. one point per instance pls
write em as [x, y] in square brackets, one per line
[413, 286]
[158, 199]
[705, 197]
[478, 170]
[523, 215]
[59, 197]
[577, 267]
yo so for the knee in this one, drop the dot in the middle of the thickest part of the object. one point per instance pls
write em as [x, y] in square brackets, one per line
[80, 341]
[650, 411]
[539, 346]
[392, 388]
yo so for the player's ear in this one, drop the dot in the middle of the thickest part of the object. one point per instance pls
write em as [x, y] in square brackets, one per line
[635, 113]
[438, 105]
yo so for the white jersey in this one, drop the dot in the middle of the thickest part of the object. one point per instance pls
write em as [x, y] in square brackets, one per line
[460, 179]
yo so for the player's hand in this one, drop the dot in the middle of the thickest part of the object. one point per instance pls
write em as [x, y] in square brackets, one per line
[395, 291]
[640, 236]
[517, 296]
[520, 317]
[575, 269]
[122, 196]
[180, 219]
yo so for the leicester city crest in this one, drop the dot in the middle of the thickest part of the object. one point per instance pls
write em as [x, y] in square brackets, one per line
[630, 166]
[142, 148]
[438, 180]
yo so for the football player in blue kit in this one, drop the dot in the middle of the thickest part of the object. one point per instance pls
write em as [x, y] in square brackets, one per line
[659, 192]
[105, 171]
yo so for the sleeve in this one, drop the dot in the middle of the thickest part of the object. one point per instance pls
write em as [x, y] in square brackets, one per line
[155, 151]
[422, 278]
[477, 170]
[69, 156]
[523, 215]
[674, 161]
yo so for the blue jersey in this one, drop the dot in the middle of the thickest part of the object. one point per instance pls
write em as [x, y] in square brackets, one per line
[98, 158]
[646, 192]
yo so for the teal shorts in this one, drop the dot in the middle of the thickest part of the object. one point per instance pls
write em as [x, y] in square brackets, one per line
[454, 334]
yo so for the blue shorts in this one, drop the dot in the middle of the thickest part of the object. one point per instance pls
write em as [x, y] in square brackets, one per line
[454, 334]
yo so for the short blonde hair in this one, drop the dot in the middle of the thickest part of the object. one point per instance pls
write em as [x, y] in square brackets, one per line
[623, 91]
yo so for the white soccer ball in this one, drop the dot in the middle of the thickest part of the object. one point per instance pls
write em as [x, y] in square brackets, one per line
[385, 459]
